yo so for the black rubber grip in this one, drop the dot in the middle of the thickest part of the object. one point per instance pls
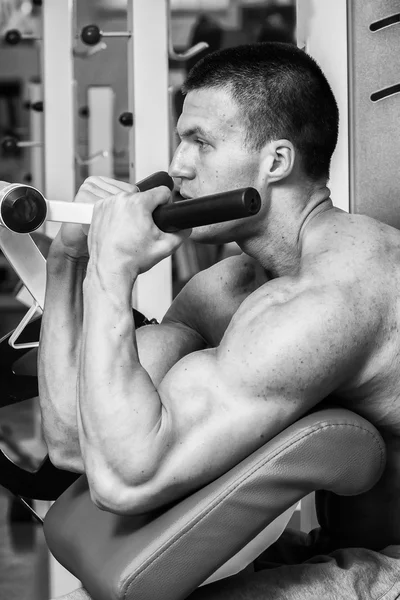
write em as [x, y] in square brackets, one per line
[216, 208]
[155, 180]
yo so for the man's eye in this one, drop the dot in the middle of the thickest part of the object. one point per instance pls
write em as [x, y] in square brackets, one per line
[201, 143]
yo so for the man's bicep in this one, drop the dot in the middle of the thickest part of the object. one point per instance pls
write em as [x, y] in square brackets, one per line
[207, 427]
[161, 346]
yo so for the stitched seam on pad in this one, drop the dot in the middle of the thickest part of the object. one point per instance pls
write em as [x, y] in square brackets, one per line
[157, 554]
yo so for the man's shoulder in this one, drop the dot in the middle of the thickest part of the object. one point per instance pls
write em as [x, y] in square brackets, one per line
[350, 247]
[355, 259]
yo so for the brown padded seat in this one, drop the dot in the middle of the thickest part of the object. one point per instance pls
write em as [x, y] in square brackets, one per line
[168, 554]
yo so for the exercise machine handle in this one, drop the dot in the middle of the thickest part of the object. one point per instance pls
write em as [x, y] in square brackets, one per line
[216, 208]
[23, 209]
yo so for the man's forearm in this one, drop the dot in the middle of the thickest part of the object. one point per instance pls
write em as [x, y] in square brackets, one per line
[120, 409]
[58, 364]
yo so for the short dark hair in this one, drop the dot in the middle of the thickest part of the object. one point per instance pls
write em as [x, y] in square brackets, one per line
[282, 93]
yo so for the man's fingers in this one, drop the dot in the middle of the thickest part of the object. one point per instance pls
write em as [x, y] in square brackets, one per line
[120, 185]
[103, 187]
[89, 195]
[94, 189]
[155, 197]
[170, 242]
[3, 184]
[110, 186]
[79, 594]
[186, 233]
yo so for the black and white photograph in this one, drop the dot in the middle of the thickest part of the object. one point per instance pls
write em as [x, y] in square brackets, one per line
[199, 300]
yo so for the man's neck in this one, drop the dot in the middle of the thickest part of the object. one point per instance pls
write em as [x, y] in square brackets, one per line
[278, 247]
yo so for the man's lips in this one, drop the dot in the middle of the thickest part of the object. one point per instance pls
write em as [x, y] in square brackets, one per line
[185, 195]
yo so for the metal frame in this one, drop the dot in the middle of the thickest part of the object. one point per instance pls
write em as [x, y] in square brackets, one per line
[59, 102]
[101, 130]
[35, 93]
[59, 156]
[149, 137]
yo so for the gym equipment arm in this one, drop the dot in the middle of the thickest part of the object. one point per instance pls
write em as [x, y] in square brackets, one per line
[23, 209]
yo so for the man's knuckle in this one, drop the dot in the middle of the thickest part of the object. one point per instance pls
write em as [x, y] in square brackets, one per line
[94, 179]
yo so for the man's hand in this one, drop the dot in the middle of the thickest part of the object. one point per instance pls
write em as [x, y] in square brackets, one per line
[123, 235]
[3, 184]
[79, 594]
[72, 238]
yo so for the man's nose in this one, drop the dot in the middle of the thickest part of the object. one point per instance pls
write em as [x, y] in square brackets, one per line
[180, 165]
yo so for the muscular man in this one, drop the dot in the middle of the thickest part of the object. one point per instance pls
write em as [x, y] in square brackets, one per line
[308, 312]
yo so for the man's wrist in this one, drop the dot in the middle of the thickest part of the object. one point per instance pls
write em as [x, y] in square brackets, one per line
[113, 277]
[58, 255]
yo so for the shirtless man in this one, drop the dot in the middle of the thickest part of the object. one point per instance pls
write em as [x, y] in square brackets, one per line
[309, 311]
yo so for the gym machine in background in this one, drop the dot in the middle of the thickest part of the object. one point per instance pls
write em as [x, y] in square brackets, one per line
[147, 118]
[356, 43]
[148, 101]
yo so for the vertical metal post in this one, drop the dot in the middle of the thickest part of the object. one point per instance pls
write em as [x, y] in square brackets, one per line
[35, 92]
[149, 136]
[59, 103]
[101, 130]
[59, 155]
[322, 31]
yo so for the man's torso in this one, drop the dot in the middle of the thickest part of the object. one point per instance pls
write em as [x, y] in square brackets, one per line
[367, 253]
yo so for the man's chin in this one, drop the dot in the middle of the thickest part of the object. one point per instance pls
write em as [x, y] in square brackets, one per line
[210, 234]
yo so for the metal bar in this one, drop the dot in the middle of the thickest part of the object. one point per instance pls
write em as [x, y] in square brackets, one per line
[26, 260]
[116, 34]
[59, 102]
[59, 158]
[29, 144]
[101, 130]
[31, 510]
[148, 101]
[36, 133]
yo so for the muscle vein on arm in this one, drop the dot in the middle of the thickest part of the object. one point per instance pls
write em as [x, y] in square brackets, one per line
[58, 358]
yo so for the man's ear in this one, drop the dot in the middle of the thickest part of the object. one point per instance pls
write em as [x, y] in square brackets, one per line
[278, 160]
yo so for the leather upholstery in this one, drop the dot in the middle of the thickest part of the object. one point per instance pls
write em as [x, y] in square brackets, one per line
[169, 553]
